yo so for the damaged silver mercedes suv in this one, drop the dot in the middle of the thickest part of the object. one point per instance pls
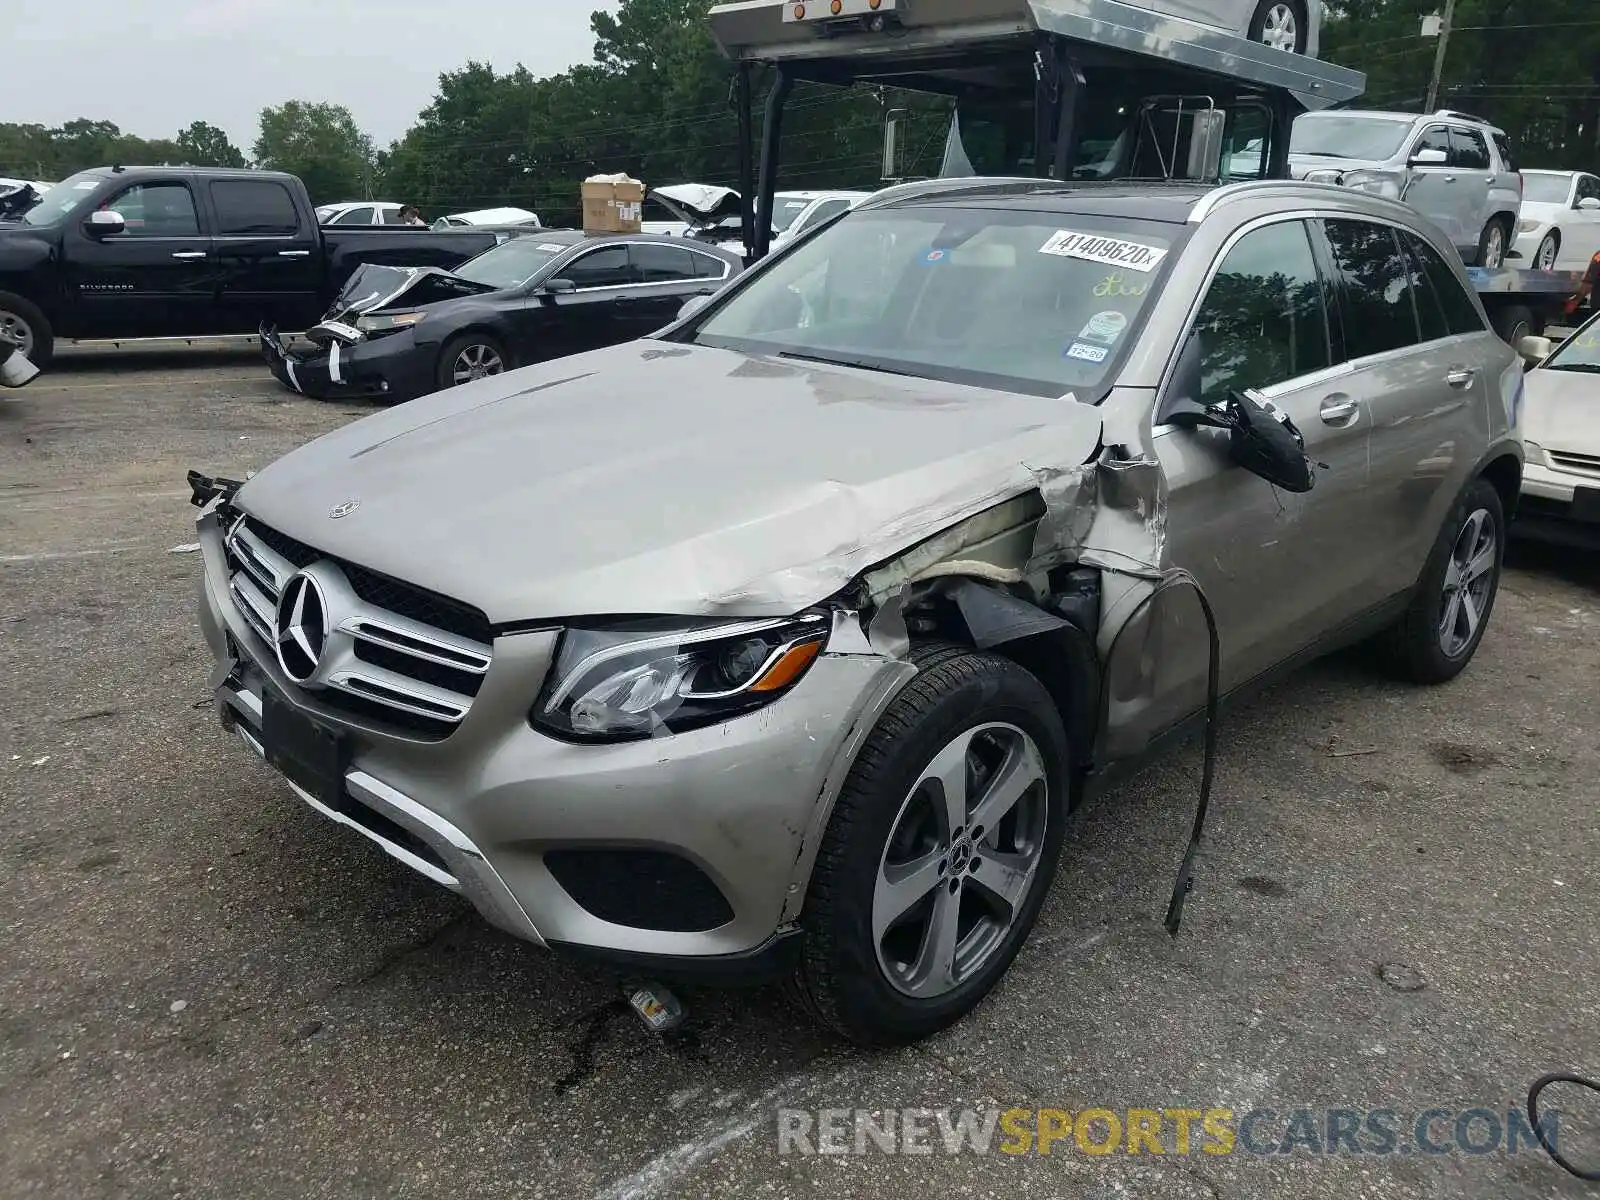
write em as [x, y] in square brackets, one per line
[785, 640]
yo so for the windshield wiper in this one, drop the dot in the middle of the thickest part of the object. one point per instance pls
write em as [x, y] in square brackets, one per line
[859, 363]
[1586, 368]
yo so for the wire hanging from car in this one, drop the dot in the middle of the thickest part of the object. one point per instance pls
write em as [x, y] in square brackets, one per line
[1166, 581]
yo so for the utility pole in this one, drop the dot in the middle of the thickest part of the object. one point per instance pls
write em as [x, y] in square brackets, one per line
[1438, 55]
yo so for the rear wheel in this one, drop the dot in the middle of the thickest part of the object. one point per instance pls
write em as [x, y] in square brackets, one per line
[1280, 24]
[468, 357]
[1440, 632]
[1513, 322]
[939, 852]
[28, 327]
[1492, 244]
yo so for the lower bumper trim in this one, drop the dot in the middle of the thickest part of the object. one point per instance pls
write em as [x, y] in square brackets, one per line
[776, 958]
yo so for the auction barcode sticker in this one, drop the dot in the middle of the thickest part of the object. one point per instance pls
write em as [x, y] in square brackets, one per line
[1094, 247]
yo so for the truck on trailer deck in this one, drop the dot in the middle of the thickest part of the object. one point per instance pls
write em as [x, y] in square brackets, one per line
[1068, 90]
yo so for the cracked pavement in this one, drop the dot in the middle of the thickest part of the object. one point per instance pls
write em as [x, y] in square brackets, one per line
[207, 990]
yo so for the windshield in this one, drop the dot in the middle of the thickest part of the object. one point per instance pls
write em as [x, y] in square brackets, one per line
[60, 200]
[785, 211]
[1023, 301]
[1580, 352]
[1348, 135]
[510, 264]
[1545, 189]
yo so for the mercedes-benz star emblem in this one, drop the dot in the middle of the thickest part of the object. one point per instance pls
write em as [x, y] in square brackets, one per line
[302, 627]
[344, 510]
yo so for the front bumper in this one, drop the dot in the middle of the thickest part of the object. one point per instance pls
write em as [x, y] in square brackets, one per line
[481, 811]
[1562, 507]
[393, 367]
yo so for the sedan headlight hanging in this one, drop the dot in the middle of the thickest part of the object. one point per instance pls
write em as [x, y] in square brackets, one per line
[388, 322]
[648, 677]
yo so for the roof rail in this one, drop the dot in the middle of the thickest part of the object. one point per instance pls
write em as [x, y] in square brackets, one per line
[1227, 191]
[1463, 116]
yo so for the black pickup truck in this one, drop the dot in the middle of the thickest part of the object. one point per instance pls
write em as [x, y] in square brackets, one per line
[130, 252]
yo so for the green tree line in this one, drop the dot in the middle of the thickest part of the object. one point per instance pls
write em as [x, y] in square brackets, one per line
[655, 102]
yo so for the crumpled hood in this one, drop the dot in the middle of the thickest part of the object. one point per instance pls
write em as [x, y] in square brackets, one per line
[698, 205]
[665, 479]
[1561, 411]
[1301, 165]
[372, 287]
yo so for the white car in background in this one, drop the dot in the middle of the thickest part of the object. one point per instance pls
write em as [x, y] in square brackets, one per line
[1560, 225]
[490, 216]
[795, 212]
[360, 212]
[1561, 436]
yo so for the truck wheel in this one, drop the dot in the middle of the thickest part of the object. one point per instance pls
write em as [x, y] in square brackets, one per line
[470, 356]
[939, 852]
[27, 325]
[1281, 24]
[1514, 322]
[1492, 244]
[1544, 258]
[1440, 631]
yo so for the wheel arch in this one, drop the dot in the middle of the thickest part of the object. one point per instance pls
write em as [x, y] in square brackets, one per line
[1503, 470]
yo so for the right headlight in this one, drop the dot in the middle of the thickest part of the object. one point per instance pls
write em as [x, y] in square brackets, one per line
[1324, 176]
[644, 678]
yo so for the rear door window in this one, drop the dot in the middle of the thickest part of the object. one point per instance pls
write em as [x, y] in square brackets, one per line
[662, 264]
[1455, 303]
[706, 267]
[356, 216]
[253, 206]
[1468, 150]
[1264, 319]
[1378, 312]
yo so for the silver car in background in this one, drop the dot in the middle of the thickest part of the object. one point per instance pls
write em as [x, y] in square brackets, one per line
[783, 641]
[1455, 169]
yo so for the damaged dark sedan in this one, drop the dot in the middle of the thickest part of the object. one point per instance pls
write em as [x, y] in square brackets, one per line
[397, 333]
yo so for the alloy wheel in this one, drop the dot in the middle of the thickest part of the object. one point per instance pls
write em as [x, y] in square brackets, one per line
[960, 860]
[1280, 30]
[19, 331]
[1494, 247]
[476, 361]
[1468, 579]
[1546, 259]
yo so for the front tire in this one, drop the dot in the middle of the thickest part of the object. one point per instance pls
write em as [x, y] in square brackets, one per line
[1281, 24]
[1544, 258]
[939, 852]
[1444, 625]
[471, 356]
[22, 319]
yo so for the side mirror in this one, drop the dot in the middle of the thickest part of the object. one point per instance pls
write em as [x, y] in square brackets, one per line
[559, 287]
[105, 222]
[692, 305]
[1534, 349]
[1429, 158]
[1589, 204]
[1263, 442]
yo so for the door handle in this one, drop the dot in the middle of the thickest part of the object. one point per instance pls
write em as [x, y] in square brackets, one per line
[1461, 377]
[294, 254]
[188, 254]
[1449, 178]
[1338, 409]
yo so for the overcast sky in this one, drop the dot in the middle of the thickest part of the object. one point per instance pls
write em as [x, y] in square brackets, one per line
[153, 66]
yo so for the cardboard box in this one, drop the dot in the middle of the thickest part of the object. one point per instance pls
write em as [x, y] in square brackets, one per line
[612, 204]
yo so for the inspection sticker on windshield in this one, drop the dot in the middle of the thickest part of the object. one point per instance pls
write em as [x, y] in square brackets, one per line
[1136, 256]
[1088, 353]
[934, 257]
[1104, 327]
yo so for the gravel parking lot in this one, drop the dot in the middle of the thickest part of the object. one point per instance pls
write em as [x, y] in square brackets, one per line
[207, 990]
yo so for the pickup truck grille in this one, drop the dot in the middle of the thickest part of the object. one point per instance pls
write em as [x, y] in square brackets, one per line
[395, 654]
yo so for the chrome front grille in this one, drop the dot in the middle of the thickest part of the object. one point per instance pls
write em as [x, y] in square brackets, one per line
[1582, 464]
[380, 658]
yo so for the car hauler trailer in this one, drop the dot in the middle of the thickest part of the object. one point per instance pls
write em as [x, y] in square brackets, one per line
[1058, 89]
